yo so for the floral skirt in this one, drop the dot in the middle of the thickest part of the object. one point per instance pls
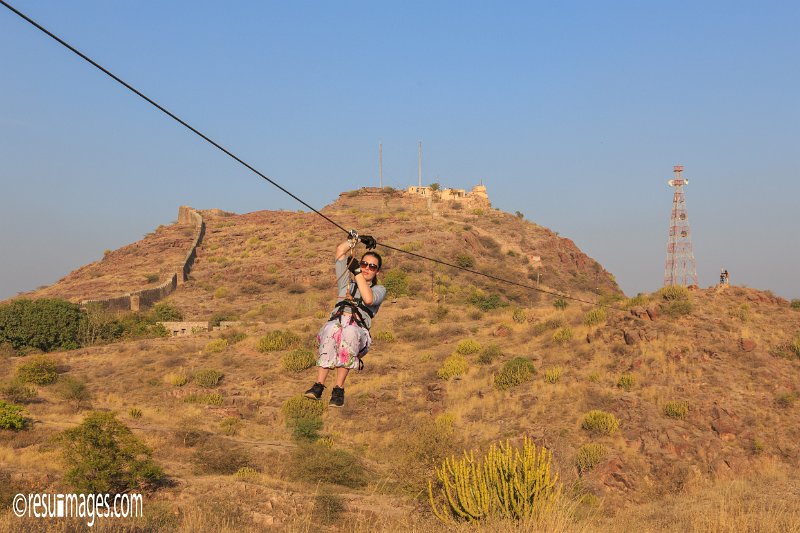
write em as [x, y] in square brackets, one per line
[342, 344]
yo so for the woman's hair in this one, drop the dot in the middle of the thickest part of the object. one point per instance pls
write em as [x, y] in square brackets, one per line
[380, 263]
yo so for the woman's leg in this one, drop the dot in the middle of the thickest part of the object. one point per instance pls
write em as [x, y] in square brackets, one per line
[341, 375]
[322, 375]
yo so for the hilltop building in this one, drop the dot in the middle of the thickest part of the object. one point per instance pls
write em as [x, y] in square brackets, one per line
[478, 192]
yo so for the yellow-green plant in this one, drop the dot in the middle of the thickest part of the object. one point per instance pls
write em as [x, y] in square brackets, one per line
[39, 370]
[674, 292]
[468, 346]
[246, 472]
[677, 409]
[562, 335]
[216, 346]
[552, 375]
[178, 379]
[299, 360]
[277, 340]
[519, 316]
[135, 412]
[742, 312]
[507, 483]
[594, 317]
[794, 346]
[589, 455]
[626, 382]
[299, 406]
[384, 336]
[207, 378]
[514, 372]
[600, 422]
[455, 365]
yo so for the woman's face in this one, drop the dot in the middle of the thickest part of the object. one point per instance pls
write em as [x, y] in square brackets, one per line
[369, 267]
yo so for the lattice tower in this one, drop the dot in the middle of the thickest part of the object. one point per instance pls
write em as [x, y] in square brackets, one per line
[680, 267]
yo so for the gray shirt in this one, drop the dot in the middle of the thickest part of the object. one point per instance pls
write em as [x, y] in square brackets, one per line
[378, 291]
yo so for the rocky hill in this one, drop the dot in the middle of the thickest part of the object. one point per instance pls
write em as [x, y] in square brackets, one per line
[702, 385]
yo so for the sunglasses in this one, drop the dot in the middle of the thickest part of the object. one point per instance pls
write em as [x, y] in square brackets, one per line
[369, 266]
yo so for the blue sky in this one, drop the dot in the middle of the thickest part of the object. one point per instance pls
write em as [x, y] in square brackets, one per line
[571, 112]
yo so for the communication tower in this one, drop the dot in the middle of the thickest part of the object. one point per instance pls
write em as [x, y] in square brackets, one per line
[680, 267]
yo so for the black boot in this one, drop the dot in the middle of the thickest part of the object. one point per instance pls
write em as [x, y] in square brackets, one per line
[337, 397]
[315, 392]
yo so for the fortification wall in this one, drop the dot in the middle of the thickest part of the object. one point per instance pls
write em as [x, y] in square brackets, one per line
[144, 298]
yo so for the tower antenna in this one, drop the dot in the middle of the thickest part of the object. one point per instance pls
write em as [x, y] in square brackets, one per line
[680, 268]
[380, 163]
[419, 163]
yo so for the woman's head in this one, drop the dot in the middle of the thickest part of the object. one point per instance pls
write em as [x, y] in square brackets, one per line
[371, 264]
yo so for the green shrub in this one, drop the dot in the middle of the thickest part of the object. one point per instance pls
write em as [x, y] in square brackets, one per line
[600, 422]
[73, 390]
[313, 463]
[589, 456]
[104, 456]
[562, 335]
[519, 316]
[214, 398]
[794, 346]
[486, 302]
[595, 317]
[626, 382]
[676, 409]
[207, 378]
[11, 416]
[742, 312]
[541, 327]
[453, 366]
[560, 304]
[17, 391]
[594, 377]
[384, 336]
[553, 375]
[299, 360]
[396, 283]
[328, 508]
[465, 260]
[277, 340]
[306, 429]
[39, 370]
[507, 483]
[246, 472]
[299, 406]
[795, 304]
[674, 293]
[636, 301]
[44, 324]
[165, 312]
[489, 354]
[216, 346]
[234, 336]
[677, 308]
[514, 372]
[230, 426]
[222, 316]
[468, 346]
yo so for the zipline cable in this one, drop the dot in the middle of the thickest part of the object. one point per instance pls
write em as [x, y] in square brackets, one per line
[183, 123]
[158, 106]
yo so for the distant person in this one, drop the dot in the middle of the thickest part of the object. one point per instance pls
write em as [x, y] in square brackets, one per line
[345, 338]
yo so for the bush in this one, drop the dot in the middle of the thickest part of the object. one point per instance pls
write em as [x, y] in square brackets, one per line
[207, 378]
[541, 327]
[230, 426]
[562, 335]
[104, 456]
[794, 346]
[677, 308]
[73, 390]
[306, 429]
[299, 360]
[507, 483]
[384, 336]
[465, 260]
[205, 399]
[301, 407]
[216, 346]
[220, 457]
[328, 508]
[17, 391]
[222, 316]
[552, 375]
[589, 456]
[178, 379]
[489, 354]
[595, 317]
[742, 312]
[677, 409]
[246, 472]
[674, 293]
[429, 441]
[486, 302]
[514, 372]
[600, 422]
[277, 340]
[39, 370]
[396, 283]
[165, 312]
[135, 413]
[468, 346]
[234, 336]
[318, 464]
[560, 304]
[786, 399]
[453, 366]
[795, 304]
[45, 324]
[11, 416]
[626, 382]
[519, 316]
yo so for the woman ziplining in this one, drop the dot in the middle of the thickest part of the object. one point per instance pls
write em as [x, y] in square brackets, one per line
[344, 339]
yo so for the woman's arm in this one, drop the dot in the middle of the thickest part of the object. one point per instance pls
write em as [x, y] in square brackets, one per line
[342, 250]
[365, 289]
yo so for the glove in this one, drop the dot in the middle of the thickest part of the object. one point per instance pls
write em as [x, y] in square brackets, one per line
[368, 241]
[354, 266]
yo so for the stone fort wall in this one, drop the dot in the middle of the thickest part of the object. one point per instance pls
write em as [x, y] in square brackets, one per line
[144, 298]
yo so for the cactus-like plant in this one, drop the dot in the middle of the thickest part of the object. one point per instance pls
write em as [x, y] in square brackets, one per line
[507, 483]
